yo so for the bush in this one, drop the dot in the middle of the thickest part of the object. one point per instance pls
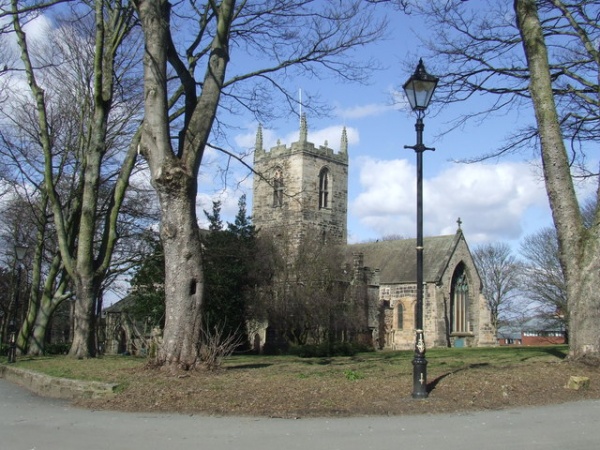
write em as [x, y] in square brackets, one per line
[217, 345]
[57, 349]
[276, 348]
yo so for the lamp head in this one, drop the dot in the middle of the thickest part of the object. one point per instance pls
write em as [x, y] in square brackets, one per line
[20, 251]
[419, 88]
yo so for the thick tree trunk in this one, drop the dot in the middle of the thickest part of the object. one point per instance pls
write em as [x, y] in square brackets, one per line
[84, 336]
[584, 303]
[174, 174]
[578, 247]
[184, 282]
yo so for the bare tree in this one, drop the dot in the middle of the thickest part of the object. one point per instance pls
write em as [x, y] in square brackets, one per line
[307, 298]
[500, 273]
[540, 54]
[544, 282]
[476, 45]
[277, 39]
[86, 240]
[579, 247]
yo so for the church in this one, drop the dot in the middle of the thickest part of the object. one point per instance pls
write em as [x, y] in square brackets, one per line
[304, 187]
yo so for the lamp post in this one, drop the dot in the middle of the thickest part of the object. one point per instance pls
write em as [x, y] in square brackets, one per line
[13, 328]
[419, 90]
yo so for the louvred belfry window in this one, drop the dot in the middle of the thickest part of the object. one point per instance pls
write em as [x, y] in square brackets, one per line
[324, 189]
[278, 189]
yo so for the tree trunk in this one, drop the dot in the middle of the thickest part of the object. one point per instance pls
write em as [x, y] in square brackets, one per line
[86, 264]
[584, 303]
[184, 281]
[37, 339]
[578, 247]
[35, 293]
[84, 336]
[33, 307]
[174, 174]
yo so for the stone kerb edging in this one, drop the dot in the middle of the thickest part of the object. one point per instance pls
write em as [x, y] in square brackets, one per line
[64, 388]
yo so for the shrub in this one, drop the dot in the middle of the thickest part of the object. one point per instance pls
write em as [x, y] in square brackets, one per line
[217, 345]
[57, 349]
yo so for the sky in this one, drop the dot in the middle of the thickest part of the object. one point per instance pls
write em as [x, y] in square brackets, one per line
[497, 201]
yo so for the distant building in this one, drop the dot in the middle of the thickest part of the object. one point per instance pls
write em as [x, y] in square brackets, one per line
[536, 331]
[510, 335]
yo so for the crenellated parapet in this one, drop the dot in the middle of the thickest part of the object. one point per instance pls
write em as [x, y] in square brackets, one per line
[302, 146]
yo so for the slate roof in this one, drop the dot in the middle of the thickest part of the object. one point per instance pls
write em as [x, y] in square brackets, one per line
[396, 259]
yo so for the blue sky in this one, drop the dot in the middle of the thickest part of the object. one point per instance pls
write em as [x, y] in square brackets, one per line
[499, 200]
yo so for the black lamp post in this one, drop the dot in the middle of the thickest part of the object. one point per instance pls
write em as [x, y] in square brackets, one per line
[419, 90]
[13, 328]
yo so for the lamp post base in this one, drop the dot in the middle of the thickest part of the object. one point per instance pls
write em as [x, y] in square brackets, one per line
[419, 378]
[419, 368]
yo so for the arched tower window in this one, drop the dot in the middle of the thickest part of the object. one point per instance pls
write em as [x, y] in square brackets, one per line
[278, 188]
[324, 182]
[459, 309]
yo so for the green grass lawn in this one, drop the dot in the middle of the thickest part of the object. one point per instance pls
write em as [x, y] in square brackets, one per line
[459, 379]
[120, 369]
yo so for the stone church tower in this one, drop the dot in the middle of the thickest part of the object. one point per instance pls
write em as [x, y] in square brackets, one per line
[301, 189]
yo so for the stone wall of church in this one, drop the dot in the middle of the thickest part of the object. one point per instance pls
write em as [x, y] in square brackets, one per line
[398, 306]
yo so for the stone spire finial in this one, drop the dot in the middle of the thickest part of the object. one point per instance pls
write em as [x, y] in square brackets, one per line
[258, 146]
[459, 222]
[303, 128]
[344, 142]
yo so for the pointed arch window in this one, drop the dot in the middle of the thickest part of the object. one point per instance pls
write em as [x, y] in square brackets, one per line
[278, 189]
[324, 185]
[399, 316]
[460, 301]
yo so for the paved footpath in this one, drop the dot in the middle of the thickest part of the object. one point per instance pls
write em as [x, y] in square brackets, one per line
[28, 422]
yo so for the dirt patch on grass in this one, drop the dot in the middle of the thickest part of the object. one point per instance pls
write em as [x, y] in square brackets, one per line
[349, 387]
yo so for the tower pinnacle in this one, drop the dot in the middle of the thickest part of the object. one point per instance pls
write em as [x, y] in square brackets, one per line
[344, 142]
[258, 146]
[303, 128]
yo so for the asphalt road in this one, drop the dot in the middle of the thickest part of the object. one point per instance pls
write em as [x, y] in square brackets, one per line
[29, 422]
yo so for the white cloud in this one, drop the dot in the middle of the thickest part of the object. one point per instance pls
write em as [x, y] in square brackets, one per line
[37, 31]
[362, 111]
[491, 200]
[38, 28]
